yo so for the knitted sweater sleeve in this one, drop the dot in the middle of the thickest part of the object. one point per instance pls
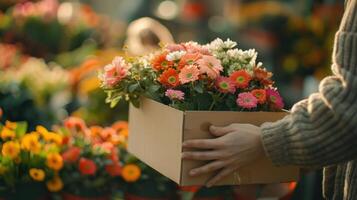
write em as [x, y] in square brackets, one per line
[322, 129]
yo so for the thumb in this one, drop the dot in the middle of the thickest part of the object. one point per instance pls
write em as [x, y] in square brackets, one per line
[220, 131]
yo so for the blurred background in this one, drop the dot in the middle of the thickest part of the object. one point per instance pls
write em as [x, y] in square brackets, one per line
[51, 50]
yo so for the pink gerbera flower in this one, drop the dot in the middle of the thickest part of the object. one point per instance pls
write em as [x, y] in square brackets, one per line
[189, 73]
[210, 65]
[274, 97]
[115, 72]
[247, 100]
[225, 85]
[175, 94]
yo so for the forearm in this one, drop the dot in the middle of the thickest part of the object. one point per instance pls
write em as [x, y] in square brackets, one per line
[322, 130]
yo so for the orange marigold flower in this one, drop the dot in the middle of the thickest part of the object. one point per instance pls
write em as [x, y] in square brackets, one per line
[55, 184]
[37, 174]
[160, 63]
[260, 94]
[54, 161]
[131, 173]
[11, 149]
[7, 133]
[11, 125]
[75, 123]
[30, 142]
[87, 166]
[240, 78]
[169, 78]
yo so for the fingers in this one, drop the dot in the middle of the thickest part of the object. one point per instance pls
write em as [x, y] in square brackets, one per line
[202, 155]
[203, 144]
[212, 166]
[222, 174]
[220, 131]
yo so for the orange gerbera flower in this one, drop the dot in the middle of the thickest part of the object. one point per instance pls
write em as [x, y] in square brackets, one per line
[240, 78]
[260, 94]
[11, 125]
[54, 161]
[72, 154]
[30, 142]
[7, 133]
[188, 59]
[131, 173]
[55, 184]
[37, 174]
[160, 63]
[11, 149]
[169, 78]
[263, 76]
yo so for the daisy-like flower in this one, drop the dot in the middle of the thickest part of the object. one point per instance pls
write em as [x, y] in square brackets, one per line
[210, 65]
[225, 85]
[260, 94]
[174, 56]
[262, 75]
[247, 100]
[159, 62]
[175, 47]
[275, 98]
[115, 72]
[169, 78]
[175, 94]
[189, 73]
[188, 59]
[240, 78]
[194, 47]
[218, 44]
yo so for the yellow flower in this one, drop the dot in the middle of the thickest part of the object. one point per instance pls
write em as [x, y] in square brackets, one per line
[41, 130]
[55, 184]
[131, 173]
[30, 143]
[37, 174]
[11, 125]
[7, 133]
[54, 161]
[54, 137]
[3, 169]
[11, 149]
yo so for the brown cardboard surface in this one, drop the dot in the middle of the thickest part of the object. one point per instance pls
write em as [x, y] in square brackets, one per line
[155, 137]
[157, 132]
[261, 171]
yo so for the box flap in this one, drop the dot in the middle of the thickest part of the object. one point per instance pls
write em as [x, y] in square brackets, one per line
[156, 135]
[196, 125]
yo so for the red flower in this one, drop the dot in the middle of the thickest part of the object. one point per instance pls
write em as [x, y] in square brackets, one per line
[113, 156]
[113, 169]
[169, 78]
[160, 63]
[260, 94]
[240, 78]
[71, 155]
[75, 123]
[87, 166]
[263, 76]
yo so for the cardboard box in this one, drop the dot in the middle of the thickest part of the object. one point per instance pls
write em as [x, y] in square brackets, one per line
[157, 132]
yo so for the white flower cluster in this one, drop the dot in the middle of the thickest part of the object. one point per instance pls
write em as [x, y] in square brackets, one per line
[176, 55]
[220, 45]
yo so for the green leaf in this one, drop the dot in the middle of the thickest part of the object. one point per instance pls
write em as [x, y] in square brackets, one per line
[198, 88]
[21, 129]
[133, 87]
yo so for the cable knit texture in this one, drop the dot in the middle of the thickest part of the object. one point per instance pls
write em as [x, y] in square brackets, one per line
[321, 131]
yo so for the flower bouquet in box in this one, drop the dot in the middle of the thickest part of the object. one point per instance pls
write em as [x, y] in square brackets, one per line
[215, 83]
[29, 162]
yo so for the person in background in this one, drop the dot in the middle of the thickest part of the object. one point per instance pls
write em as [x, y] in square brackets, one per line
[320, 131]
[144, 36]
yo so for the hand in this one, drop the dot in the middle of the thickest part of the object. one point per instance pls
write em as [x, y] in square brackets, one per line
[236, 145]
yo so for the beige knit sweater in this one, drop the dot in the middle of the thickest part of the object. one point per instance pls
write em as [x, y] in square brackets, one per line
[321, 131]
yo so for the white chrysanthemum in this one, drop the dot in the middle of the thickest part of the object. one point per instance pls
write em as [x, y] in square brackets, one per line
[176, 55]
[216, 44]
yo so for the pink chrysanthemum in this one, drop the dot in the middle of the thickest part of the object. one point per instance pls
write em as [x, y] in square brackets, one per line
[210, 65]
[274, 97]
[115, 72]
[175, 94]
[225, 85]
[189, 73]
[247, 100]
